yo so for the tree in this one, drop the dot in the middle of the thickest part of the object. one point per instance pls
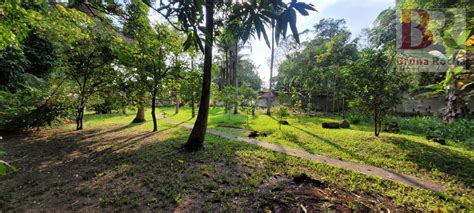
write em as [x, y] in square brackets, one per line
[282, 112]
[90, 67]
[318, 68]
[248, 75]
[157, 51]
[131, 51]
[253, 15]
[225, 95]
[31, 63]
[376, 85]
[249, 97]
[191, 85]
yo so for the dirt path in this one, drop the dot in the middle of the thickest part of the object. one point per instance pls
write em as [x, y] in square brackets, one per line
[361, 168]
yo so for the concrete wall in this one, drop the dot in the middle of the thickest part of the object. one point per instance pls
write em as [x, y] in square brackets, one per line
[262, 102]
[432, 104]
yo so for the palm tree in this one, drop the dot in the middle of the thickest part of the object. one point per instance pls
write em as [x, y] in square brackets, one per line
[252, 16]
[270, 92]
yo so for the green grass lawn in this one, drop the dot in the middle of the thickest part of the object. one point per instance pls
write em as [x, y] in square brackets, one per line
[120, 166]
[412, 154]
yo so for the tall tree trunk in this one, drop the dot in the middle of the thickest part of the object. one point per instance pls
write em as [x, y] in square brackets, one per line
[193, 110]
[334, 98]
[153, 105]
[222, 78]
[176, 111]
[79, 116]
[343, 107]
[227, 73]
[80, 111]
[449, 111]
[327, 96]
[140, 117]
[376, 123]
[236, 81]
[270, 93]
[198, 134]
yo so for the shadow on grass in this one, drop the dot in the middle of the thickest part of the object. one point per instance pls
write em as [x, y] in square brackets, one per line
[133, 171]
[329, 142]
[94, 117]
[442, 159]
[124, 171]
[111, 131]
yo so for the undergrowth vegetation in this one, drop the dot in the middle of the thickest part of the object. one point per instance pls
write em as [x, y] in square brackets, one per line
[128, 168]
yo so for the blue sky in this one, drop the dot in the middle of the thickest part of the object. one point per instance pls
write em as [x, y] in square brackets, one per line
[359, 14]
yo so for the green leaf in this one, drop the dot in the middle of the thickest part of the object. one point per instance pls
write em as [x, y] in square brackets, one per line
[458, 70]
[306, 6]
[462, 37]
[292, 21]
[257, 26]
[448, 78]
[247, 31]
[278, 29]
[449, 42]
[3, 169]
[301, 9]
[198, 43]
[286, 19]
[265, 36]
[269, 14]
[188, 42]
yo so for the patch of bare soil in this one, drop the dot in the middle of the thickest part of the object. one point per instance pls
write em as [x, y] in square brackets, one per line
[64, 170]
[304, 194]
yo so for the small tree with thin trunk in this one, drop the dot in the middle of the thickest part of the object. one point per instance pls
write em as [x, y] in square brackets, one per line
[90, 66]
[154, 50]
[226, 96]
[376, 85]
[282, 112]
[190, 89]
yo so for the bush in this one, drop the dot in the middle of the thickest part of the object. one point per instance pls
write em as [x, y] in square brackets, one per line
[24, 110]
[104, 103]
[355, 118]
[282, 112]
[460, 130]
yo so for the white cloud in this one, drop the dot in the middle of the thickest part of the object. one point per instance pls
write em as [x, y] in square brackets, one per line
[357, 13]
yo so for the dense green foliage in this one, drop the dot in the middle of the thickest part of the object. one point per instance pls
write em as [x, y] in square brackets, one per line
[93, 61]
[376, 86]
[320, 69]
[461, 131]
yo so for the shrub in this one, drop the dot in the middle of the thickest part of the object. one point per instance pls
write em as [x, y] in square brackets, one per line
[281, 112]
[23, 110]
[355, 118]
[460, 130]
